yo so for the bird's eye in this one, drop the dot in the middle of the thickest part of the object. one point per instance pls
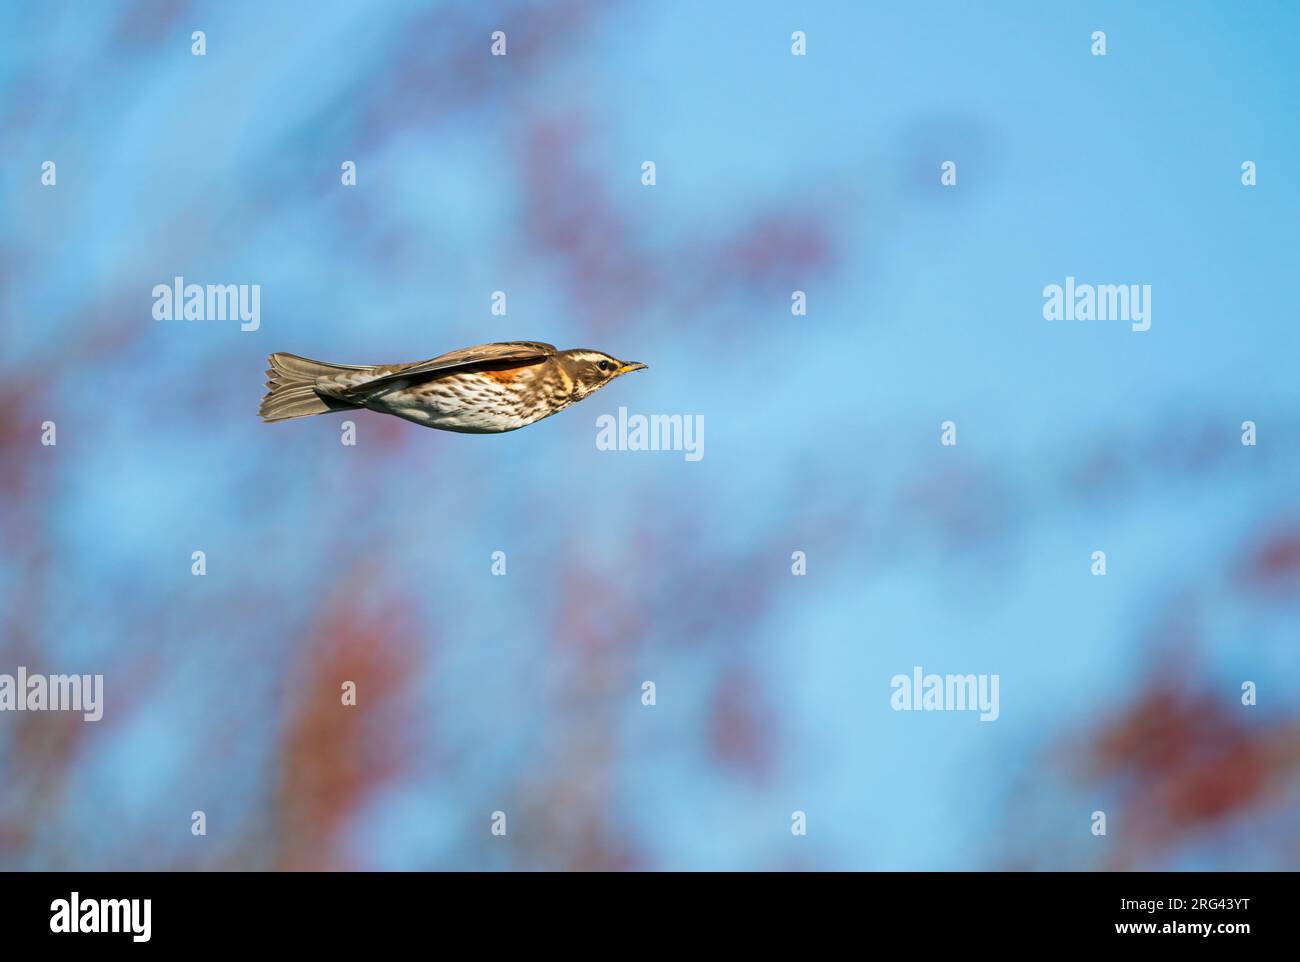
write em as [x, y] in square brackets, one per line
[605, 366]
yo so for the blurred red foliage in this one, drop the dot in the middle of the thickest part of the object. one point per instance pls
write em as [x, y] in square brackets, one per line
[333, 757]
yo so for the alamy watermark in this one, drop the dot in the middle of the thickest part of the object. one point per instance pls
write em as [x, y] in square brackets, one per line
[24, 692]
[77, 915]
[656, 432]
[1098, 302]
[922, 692]
[210, 302]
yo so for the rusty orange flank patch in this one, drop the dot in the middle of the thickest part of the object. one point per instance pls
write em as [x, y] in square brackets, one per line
[506, 375]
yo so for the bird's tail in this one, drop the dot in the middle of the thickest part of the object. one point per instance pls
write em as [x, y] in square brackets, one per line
[292, 392]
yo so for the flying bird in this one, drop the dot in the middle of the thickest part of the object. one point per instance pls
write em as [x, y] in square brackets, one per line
[484, 389]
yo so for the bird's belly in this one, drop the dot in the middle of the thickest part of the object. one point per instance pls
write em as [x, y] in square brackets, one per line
[469, 404]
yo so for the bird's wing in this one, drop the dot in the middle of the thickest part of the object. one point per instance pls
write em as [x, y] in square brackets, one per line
[521, 351]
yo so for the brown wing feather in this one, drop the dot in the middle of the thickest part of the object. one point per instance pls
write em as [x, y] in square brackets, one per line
[519, 351]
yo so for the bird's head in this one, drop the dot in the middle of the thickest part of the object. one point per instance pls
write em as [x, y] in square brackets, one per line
[592, 370]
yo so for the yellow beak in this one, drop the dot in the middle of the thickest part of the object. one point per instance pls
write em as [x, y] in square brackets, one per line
[630, 366]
